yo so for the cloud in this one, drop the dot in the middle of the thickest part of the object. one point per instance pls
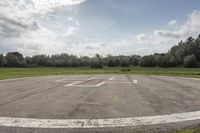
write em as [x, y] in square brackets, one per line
[19, 23]
[190, 28]
[34, 27]
[69, 19]
[167, 34]
[161, 40]
[70, 31]
[142, 38]
[172, 22]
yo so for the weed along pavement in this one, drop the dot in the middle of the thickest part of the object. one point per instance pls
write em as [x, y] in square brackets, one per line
[107, 103]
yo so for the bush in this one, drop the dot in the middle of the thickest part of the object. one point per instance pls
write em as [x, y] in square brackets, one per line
[148, 61]
[164, 62]
[126, 70]
[190, 61]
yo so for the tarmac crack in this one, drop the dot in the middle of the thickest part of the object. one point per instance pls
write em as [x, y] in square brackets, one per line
[29, 95]
[84, 98]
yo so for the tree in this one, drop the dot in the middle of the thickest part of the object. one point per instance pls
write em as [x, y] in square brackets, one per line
[74, 61]
[124, 62]
[197, 48]
[164, 62]
[2, 60]
[15, 59]
[178, 53]
[112, 61]
[97, 62]
[158, 57]
[148, 61]
[85, 61]
[135, 60]
[190, 61]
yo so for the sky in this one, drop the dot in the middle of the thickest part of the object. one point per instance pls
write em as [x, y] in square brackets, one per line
[88, 27]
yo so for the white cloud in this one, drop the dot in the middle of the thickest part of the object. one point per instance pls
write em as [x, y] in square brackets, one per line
[161, 40]
[172, 22]
[70, 31]
[19, 24]
[21, 29]
[167, 34]
[69, 19]
[142, 38]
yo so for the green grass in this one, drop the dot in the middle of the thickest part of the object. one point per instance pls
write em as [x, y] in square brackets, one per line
[7, 73]
[189, 130]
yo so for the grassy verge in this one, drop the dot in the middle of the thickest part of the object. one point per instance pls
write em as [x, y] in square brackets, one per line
[7, 73]
[189, 130]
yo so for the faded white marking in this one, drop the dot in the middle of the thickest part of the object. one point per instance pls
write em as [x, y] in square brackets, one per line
[91, 78]
[118, 82]
[135, 81]
[112, 78]
[74, 83]
[99, 123]
[15, 79]
[61, 80]
[84, 85]
[100, 84]
[74, 80]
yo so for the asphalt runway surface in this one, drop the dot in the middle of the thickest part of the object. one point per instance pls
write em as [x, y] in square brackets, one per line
[98, 103]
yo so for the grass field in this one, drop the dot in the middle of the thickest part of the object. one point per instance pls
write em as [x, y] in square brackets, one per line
[189, 130]
[7, 73]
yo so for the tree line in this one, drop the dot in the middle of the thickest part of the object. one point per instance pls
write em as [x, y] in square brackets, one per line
[185, 53]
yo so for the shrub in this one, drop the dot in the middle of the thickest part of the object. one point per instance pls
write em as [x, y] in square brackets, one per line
[190, 61]
[148, 61]
[126, 70]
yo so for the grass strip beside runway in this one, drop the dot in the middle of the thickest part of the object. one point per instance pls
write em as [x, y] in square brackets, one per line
[8, 73]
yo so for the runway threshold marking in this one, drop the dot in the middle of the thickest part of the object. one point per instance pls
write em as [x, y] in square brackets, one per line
[99, 123]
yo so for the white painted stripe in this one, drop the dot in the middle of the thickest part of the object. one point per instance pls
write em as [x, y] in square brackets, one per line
[85, 85]
[112, 78]
[15, 79]
[74, 83]
[91, 78]
[61, 80]
[100, 84]
[99, 123]
[74, 80]
[135, 81]
[119, 82]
